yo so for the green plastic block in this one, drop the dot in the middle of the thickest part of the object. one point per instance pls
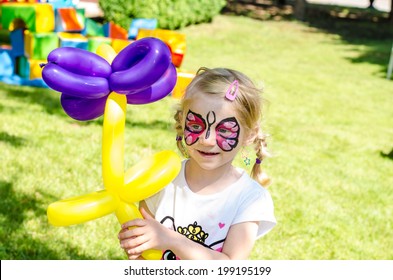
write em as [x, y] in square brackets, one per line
[23, 67]
[25, 13]
[93, 28]
[44, 43]
[94, 42]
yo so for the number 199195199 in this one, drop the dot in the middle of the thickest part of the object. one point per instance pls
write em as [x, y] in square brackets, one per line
[245, 270]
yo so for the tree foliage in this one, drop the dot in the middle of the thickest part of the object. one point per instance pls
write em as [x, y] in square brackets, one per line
[170, 14]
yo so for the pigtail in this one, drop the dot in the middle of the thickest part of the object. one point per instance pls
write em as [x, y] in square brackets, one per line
[261, 151]
[179, 133]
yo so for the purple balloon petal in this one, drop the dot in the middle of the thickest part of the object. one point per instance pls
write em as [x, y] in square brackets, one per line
[139, 65]
[83, 109]
[158, 90]
[73, 84]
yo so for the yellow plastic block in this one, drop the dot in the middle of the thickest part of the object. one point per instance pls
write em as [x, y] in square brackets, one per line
[29, 43]
[45, 18]
[119, 44]
[183, 80]
[72, 36]
[35, 68]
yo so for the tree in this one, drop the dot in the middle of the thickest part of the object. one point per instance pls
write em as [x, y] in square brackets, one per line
[391, 11]
[300, 9]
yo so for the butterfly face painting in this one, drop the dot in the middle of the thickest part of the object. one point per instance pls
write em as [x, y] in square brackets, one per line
[227, 130]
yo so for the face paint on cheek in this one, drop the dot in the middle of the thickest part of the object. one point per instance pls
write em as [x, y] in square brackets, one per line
[194, 126]
[228, 132]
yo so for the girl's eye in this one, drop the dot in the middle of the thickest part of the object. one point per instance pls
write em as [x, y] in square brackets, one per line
[194, 127]
[224, 132]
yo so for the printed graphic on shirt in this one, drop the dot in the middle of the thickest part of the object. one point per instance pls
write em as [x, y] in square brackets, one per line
[193, 232]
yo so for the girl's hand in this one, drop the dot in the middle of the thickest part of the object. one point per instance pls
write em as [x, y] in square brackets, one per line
[130, 256]
[140, 235]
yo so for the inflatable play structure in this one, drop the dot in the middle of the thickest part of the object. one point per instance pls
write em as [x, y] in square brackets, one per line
[31, 29]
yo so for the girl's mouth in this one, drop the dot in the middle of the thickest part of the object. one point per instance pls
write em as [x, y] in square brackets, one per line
[207, 153]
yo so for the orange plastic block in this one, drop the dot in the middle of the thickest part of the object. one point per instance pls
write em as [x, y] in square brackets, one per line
[115, 31]
[176, 42]
[69, 20]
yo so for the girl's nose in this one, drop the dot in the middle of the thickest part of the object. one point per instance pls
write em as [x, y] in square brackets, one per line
[208, 138]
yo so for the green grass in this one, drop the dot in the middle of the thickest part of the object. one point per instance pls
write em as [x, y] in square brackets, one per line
[331, 124]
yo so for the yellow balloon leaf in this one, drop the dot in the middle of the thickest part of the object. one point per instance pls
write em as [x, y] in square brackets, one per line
[82, 208]
[149, 176]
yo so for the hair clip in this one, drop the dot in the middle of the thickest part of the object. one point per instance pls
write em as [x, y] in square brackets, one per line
[179, 138]
[232, 90]
[258, 161]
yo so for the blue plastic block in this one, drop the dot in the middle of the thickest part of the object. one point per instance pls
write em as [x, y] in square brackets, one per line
[144, 23]
[6, 63]
[74, 44]
[17, 42]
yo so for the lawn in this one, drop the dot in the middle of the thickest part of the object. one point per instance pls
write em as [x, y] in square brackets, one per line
[330, 119]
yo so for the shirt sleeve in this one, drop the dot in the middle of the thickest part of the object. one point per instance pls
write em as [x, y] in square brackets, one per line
[257, 207]
[153, 201]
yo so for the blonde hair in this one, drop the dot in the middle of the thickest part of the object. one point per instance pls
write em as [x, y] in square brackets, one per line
[248, 106]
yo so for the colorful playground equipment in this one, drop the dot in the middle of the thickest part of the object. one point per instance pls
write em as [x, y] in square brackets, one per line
[31, 29]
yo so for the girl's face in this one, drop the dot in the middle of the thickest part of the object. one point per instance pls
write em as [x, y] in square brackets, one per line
[212, 131]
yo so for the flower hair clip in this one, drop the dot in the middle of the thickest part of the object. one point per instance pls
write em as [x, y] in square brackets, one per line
[232, 90]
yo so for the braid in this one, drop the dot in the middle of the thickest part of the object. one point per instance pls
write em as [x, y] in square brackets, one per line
[261, 152]
[179, 133]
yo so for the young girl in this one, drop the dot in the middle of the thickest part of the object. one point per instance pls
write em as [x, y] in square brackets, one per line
[212, 210]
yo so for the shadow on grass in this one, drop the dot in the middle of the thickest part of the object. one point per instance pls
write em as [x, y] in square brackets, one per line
[44, 97]
[154, 125]
[370, 29]
[388, 155]
[16, 244]
[11, 139]
[49, 100]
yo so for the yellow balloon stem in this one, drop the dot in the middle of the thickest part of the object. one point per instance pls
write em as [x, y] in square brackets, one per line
[126, 212]
[107, 52]
[113, 141]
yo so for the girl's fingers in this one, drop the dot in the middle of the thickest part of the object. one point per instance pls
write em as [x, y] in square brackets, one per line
[131, 233]
[134, 244]
[133, 223]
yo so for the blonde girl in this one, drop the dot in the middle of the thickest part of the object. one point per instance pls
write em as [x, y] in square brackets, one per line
[212, 210]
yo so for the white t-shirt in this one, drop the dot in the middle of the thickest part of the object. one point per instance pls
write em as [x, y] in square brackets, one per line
[206, 219]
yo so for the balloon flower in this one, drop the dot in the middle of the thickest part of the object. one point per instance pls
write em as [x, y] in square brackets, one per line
[91, 86]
